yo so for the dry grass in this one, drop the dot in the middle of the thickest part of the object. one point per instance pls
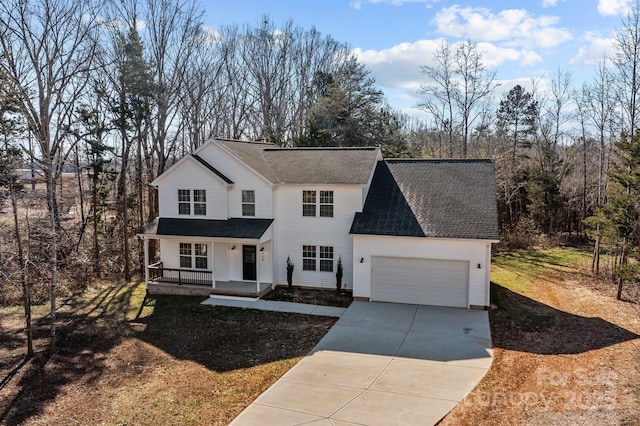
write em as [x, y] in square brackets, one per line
[126, 359]
[565, 353]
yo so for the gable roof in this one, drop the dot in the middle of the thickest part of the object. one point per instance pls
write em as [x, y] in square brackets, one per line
[201, 162]
[211, 168]
[318, 166]
[229, 228]
[431, 198]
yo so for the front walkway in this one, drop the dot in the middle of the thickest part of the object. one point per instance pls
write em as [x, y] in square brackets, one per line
[381, 364]
[277, 306]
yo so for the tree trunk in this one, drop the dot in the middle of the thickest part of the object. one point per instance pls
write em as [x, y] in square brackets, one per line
[26, 290]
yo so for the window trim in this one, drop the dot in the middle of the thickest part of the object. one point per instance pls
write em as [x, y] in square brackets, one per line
[186, 253]
[193, 252]
[325, 204]
[317, 256]
[200, 204]
[308, 258]
[192, 206]
[248, 203]
[182, 202]
[325, 260]
[307, 204]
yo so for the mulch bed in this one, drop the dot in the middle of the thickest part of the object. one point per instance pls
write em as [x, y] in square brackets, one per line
[310, 296]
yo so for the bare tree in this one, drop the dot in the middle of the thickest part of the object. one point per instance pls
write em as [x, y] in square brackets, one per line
[459, 82]
[10, 158]
[599, 98]
[439, 93]
[48, 51]
[627, 60]
[475, 83]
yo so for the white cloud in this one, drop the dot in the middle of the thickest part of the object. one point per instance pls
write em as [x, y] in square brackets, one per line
[397, 69]
[512, 27]
[594, 52]
[613, 7]
[549, 3]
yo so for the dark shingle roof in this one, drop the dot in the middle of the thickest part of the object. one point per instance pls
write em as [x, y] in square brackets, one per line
[306, 165]
[230, 228]
[211, 168]
[431, 198]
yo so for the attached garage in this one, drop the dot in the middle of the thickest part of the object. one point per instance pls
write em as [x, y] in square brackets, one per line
[420, 281]
[425, 232]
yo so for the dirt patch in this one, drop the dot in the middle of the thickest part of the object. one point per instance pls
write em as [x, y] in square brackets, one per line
[564, 354]
[128, 359]
[311, 296]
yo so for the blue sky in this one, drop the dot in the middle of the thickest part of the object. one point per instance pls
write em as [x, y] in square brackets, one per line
[521, 40]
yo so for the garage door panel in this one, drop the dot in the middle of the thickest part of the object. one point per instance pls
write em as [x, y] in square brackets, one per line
[420, 281]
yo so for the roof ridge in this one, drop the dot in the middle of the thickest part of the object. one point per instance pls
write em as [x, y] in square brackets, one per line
[323, 148]
[439, 160]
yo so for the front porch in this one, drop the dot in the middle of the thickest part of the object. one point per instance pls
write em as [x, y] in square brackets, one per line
[192, 282]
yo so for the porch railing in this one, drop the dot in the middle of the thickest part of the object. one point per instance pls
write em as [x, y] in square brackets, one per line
[158, 273]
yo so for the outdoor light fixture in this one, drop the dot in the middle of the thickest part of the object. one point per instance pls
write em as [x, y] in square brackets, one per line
[479, 266]
[233, 247]
[261, 249]
[362, 260]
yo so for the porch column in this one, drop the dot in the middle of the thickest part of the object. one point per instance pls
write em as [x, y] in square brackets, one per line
[146, 262]
[258, 253]
[213, 262]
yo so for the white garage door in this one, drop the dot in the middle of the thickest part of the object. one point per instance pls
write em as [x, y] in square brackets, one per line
[420, 281]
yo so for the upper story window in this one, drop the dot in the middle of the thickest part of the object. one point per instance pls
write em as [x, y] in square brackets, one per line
[312, 202]
[184, 201]
[192, 200]
[326, 203]
[248, 202]
[200, 202]
[193, 254]
[308, 203]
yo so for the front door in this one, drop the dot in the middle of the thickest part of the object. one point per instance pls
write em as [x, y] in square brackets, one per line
[249, 263]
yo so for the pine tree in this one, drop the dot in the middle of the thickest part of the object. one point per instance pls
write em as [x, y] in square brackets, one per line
[619, 219]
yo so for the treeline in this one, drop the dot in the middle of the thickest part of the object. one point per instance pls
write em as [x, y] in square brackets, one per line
[118, 90]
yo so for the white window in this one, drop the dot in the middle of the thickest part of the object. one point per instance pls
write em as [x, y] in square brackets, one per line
[184, 201]
[308, 258]
[200, 202]
[192, 200]
[248, 203]
[326, 203]
[200, 253]
[308, 203]
[312, 203]
[193, 254]
[185, 255]
[326, 259]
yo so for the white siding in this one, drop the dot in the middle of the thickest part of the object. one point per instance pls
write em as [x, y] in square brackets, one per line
[190, 175]
[221, 260]
[474, 251]
[265, 263]
[235, 263]
[292, 231]
[243, 178]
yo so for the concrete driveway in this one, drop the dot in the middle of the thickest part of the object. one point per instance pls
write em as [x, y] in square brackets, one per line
[381, 364]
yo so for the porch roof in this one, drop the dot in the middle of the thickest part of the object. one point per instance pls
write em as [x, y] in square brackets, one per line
[230, 228]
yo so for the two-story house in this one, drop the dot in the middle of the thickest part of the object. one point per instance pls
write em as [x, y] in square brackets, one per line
[416, 231]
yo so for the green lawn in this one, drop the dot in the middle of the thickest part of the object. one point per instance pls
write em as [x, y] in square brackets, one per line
[518, 271]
